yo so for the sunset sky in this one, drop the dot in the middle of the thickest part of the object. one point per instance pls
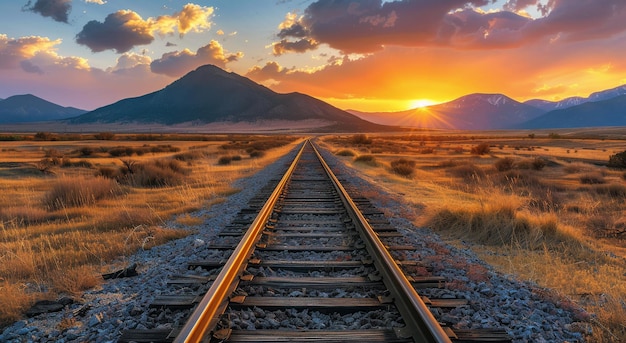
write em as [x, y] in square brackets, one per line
[368, 55]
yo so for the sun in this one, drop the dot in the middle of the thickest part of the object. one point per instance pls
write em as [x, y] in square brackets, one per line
[419, 103]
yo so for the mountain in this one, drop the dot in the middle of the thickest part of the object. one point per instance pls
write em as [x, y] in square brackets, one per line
[210, 94]
[577, 100]
[29, 108]
[611, 112]
[470, 112]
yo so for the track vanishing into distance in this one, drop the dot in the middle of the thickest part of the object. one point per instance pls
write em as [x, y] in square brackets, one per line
[306, 262]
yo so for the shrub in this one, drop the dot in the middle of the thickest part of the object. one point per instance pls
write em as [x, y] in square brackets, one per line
[591, 179]
[224, 160]
[67, 163]
[480, 149]
[86, 151]
[403, 167]
[236, 157]
[367, 159]
[538, 163]
[467, 171]
[504, 164]
[159, 173]
[256, 153]
[618, 160]
[345, 152]
[76, 192]
[189, 156]
[361, 139]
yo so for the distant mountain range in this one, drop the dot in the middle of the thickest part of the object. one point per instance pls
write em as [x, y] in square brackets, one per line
[497, 111]
[212, 95]
[470, 112]
[29, 108]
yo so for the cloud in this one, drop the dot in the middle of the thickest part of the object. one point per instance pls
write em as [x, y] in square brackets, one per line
[120, 31]
[302, 45]
[98, 2]
[14, 51]
[178, 63]
[56, 9]
[270, 71]
[125, 29]
[29, 67]
[369, 26]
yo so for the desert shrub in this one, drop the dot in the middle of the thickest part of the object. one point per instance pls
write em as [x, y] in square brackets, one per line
[224, 160]
[467, 171]
[236, 157]
[504, 164]
[76, 192]
[480, 149]
[189, 156]
[538, 163]
[86, 151]
[591, 179]
[496, 224]
[366, 159]
[43, 136]
[361, 138]
[403, 167]
[159, 173]
[256, 153]
[120, 151]
[613, 190]
[576, 167]
[618, 160]
[345, 152]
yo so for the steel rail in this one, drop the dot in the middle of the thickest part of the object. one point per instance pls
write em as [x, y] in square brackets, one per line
[422, 325]
[206, 315]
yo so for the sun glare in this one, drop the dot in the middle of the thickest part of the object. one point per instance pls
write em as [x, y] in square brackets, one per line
[419, 103]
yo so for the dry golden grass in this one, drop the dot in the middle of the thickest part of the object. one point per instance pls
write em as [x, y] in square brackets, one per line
[59, 229]
[542, 208]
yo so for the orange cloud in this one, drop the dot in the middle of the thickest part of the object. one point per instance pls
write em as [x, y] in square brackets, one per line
[13, 51]
[178, 63]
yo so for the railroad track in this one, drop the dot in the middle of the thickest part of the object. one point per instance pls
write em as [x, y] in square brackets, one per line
[306, 262]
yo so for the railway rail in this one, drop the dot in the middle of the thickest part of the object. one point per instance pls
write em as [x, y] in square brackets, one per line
[308, 262]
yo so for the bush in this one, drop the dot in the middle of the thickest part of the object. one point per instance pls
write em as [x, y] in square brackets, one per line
[76, 192]
[236, 157]
[591, 179]
[256, 154]
[467, 171]
[538, 163]
[361, 139]
[480, 149]
[345, 152]
[367, 159]
[86, 151]
[224, 160]
[159, 173]
[618, 160]
[504, 164]
[403, 167]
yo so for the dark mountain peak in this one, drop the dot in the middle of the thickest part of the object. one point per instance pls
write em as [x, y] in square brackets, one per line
[210, 94]
[29, 108]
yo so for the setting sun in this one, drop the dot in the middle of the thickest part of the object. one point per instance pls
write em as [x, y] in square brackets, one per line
[419, 103]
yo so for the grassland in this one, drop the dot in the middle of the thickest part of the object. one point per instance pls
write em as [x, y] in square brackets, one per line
[73, 206]
[542, 206]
